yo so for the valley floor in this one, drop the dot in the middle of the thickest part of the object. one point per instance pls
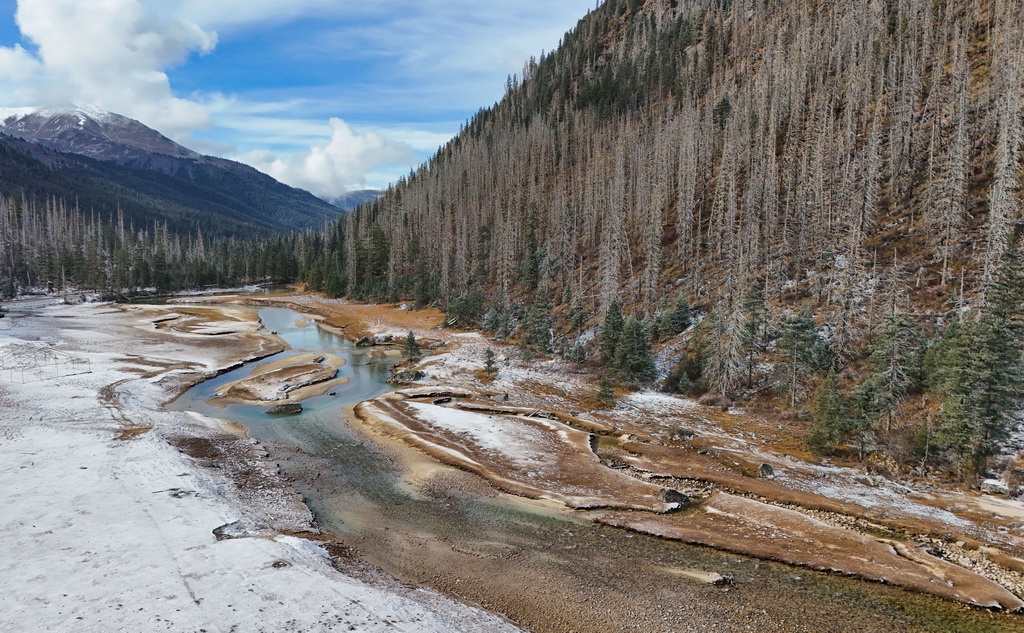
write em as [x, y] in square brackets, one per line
[120, 515]
[111, 522]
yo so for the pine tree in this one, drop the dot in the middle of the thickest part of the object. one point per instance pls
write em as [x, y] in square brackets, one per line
[605, 393]
[678, 319]
[538, 322]
[633, 363]
[868, 404]
[831, 417]
[492, 322]
[578, 353]
[489, 366]
[800, 350]
[893, 361]
[979, 369]
[578, 314]
[752, 334]
[999, 353]
[411, 349]
[610, 333]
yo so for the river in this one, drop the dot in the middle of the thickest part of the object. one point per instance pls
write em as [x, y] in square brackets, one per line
[547, 568]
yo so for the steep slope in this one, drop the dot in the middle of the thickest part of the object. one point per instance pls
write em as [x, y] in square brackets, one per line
[106, 161]
[857, 161]
[712, 146]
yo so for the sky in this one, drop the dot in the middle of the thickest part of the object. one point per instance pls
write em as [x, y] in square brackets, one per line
[327, 95]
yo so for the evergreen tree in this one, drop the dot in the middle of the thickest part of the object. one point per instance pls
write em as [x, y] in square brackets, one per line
[467, 308]
[578, 314]
[610, 333]
[679, 318]
[831, 416]
[489, 366]
[979, 369]
[867, 406]
[578, 353]
[633, 363]
[411, 349]
[538, 322]
[894, 361]
[752, 334]
[492, 322]
[800, 350]
[605, 392]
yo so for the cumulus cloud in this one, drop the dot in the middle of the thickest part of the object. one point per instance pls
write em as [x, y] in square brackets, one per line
[112, 53]
[432, 64]
[332, 169]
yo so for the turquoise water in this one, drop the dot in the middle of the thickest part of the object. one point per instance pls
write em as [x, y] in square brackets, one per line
[549, 570]
[366, 374]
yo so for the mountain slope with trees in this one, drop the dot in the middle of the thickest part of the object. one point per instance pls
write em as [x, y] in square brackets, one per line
[107, 162]
[833, 186]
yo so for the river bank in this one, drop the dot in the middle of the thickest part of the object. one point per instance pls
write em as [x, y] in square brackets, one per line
[375, 498]
[120, 515]
[877, 530]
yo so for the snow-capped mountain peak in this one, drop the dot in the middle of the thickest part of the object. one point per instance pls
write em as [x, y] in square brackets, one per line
[90, 131]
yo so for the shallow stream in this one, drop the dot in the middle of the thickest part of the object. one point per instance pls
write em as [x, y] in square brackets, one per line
[548, 569]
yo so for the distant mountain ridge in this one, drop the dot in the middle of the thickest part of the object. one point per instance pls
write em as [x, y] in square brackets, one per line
[353, 199]
[107, 161]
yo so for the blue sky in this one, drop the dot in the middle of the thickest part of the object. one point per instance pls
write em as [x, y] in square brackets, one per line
[328, 95]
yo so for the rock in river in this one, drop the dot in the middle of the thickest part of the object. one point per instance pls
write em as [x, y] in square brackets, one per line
[286, 408]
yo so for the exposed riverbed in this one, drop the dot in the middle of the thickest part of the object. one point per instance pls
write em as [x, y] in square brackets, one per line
[547, 568]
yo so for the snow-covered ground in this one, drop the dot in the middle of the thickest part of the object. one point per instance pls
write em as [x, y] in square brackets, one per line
[105, 534]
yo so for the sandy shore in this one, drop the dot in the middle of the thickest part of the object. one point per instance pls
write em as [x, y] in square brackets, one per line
[121, 516]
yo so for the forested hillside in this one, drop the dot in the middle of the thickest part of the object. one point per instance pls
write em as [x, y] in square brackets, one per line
[833, 185]
[223, 197]
[53, 247]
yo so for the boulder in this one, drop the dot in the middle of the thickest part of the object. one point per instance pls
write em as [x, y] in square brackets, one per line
[285, 408]
[668, 495]
[995, 487]
[714, 578]
[406, 376]
[766, 471]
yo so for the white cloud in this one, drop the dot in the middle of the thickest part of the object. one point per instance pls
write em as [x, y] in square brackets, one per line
[432, 61]
[112, 53]
[339, 166]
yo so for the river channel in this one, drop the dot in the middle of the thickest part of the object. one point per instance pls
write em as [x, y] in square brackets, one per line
[546, 568]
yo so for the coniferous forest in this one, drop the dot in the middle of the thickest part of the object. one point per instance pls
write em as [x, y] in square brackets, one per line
[810, 205]
[833, 188]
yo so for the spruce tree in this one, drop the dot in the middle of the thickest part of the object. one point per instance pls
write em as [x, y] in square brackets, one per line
[489, 366]
[893, 361]
[492, 322]
[633, 363]
[411, 349]
[605, 393]
[610, 333]
[800, 350]
[578, 353]
[867, 405]
[979, 369]
[578, 314]
[752, 334]
[679, 318]
[538, 322]
[830, 411]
